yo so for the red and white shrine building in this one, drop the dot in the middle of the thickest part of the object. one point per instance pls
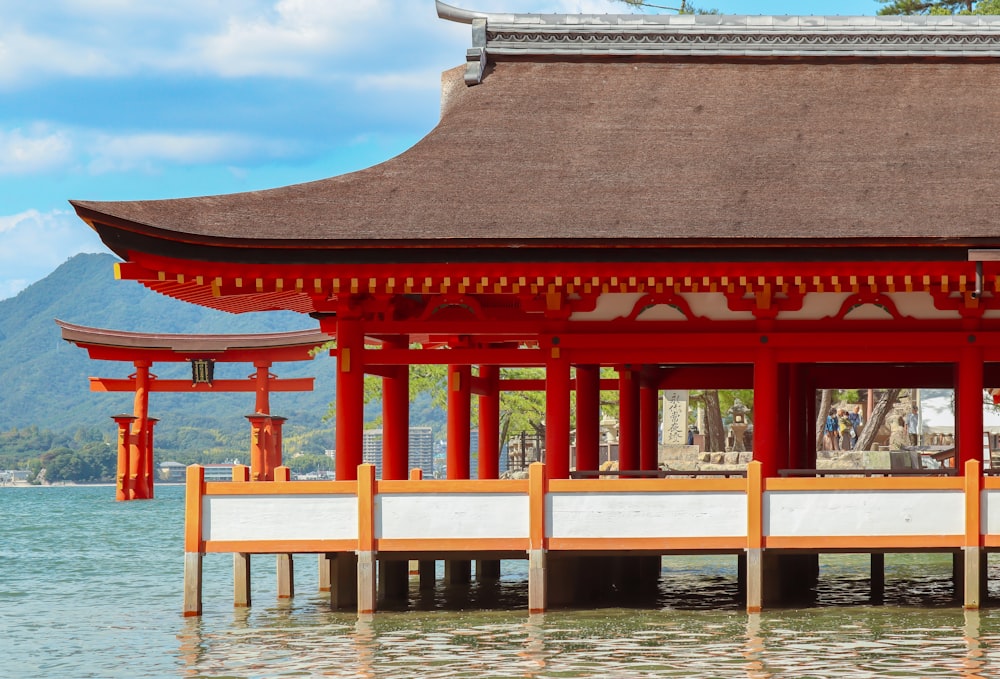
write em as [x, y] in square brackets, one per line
[781, 203]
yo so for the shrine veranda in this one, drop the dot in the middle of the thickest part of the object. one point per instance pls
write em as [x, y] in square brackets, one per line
[772, 203]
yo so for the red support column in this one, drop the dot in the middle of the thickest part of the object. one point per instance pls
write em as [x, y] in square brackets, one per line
[262, 402]
[273, 459]
[649, 425]
[124, 423]
[350, 416]
[557, 389]
[765, 412]
[969, 406]
[150, 471]
[801, 408]
[588, 417]
[459, 414]
[258, 446]
[489, 423]
[628, 419]
[784, 444]
[137, 441]
[396, 421]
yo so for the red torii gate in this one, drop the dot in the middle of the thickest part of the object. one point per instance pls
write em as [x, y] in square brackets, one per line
[135, 432]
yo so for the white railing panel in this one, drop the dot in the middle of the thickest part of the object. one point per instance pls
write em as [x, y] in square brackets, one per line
[415, 516]
[863, 512]
[280, 517]
[990, 523]
[645, 515]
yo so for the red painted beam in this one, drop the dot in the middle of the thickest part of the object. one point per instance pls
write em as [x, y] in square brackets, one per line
[104, 384]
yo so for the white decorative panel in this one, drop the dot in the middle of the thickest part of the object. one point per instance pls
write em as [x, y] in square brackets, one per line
[280, 517]
[714, 305]
[610, 305]
[459, 515]
[990, 512]
[661, 312]
[645, 515]
[918, 305]
[816, 305]
[862, 512]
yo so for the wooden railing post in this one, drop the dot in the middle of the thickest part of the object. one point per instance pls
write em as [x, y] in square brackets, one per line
[536, 538]
[755, 539]
[972, 549]
[366, 538]
[193, 542]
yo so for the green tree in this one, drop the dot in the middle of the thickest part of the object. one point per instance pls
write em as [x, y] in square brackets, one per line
[940, 7]
[684, 7]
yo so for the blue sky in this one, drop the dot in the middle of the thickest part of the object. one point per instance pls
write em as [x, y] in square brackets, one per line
[125, 100]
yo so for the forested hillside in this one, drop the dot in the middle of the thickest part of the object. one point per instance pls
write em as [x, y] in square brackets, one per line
[45, 402]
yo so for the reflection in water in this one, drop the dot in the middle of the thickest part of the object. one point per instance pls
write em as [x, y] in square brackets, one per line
[973, 653]
[754, 648]
[920, 632]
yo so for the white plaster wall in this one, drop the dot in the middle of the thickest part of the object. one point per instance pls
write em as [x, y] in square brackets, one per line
[461, 515]
[275, 517]
[816, 305]
[990, 513]
[918, 305]
[714, 305]
[645, 515]
[610, 305]
[850, 513]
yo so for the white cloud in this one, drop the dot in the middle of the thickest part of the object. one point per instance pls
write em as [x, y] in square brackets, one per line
[37, 150]
[33, 244]
[143, 151]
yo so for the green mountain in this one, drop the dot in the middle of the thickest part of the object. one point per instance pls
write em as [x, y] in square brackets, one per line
[45, 379]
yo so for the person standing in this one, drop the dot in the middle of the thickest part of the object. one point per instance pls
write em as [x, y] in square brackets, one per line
[844, 425]
[913, 427]
[831, 429]
[855, 418]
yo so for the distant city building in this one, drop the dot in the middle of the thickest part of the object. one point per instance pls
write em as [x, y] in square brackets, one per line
[421, 450]
[219, 472]
[173, 471]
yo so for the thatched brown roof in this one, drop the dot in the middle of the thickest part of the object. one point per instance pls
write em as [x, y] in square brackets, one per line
[580, 150]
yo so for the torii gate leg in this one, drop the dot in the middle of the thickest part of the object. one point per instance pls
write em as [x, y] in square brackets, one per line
[137, 442]
[124, 423]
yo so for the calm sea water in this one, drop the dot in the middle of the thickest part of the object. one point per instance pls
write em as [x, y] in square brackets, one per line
[92, 588]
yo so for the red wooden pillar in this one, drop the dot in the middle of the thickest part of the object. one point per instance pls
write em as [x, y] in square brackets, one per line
[969, 406]
[766, 411]
[258, 446]
[124, 423]
[137, 441]
[802, 407]
[649, 425]
[262, 402]
[628, 418]
[150, 472]
[588, 417]
[396, 420]
[350, 398]
[489, 423]
[557, 391]
[459, 414]
[784, 445]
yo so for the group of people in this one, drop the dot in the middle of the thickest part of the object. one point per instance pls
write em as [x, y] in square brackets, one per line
[842, 428]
